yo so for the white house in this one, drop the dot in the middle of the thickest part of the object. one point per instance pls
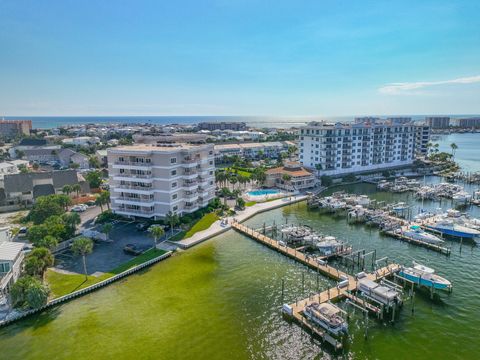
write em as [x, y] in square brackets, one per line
[11, 258]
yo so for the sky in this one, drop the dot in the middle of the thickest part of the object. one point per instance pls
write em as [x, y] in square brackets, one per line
[239, 57]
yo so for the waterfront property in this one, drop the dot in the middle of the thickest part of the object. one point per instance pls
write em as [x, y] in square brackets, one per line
[11, 258]
[150, 181]
[291, 177]
[366, 145]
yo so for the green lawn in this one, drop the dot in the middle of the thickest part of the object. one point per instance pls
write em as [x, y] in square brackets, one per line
[204, 223]
[250, 203]
[62, 284]
[239, 172]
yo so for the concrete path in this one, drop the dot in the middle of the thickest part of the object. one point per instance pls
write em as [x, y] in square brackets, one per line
[216, 228]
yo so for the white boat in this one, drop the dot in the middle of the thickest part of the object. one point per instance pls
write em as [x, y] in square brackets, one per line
[329, 245]
[384, 294]
[363, 200]
[401, 206]
[415, 232]
[461, 197]
[425, 276]
[327, 316]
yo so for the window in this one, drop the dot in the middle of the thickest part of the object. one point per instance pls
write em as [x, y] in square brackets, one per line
[174, 185]
[174, 172]
[4, 267]
[211, 162]
[210, 152]
[174, 196]
[173, 160]
[175, 208]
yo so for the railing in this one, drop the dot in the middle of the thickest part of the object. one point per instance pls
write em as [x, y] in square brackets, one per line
[136, 211]
[132, 163]
[134, 187]
[134, 199]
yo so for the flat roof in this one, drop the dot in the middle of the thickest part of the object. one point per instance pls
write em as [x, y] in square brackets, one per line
[9, 250]
[157, 148]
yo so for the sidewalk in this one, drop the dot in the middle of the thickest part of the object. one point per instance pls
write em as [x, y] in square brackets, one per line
[216, 229]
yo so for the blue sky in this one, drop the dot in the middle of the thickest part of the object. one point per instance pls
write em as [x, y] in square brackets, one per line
[233, 57]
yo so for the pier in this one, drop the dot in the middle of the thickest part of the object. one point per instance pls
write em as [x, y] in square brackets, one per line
[347, 284]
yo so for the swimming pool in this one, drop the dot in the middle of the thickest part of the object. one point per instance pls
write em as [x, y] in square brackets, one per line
[263, 192]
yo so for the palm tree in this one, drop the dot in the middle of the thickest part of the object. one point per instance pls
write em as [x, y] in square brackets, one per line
[172, 219]
[93, 162]
[71, 220]
[83, 246]
[107, 229]
[77, 188]
[224, 192]
[454, 149]
[99, 202]
[67, 189]
[291, 150]
[156, 232]
[233, 180]
[319, 168]
[286, 177]
[105, 196]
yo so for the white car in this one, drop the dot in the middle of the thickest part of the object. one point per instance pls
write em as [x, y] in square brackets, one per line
[78, 208]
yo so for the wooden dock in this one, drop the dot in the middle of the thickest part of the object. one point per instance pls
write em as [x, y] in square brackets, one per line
[401, 236]
[350, 284]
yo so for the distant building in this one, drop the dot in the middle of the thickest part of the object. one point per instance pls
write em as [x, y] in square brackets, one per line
[22, 189]
[400, 119]
[237, 126]
[82, 140]
[298, 178]
[438, 122]
[471, 123]
[250, 151]
[165, 138]
[150, 181]
[343, 148]
[11, 258]
[9, 129]
[11, 167]
[422, 138]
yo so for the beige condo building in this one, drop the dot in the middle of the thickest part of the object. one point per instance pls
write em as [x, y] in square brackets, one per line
[151, 180]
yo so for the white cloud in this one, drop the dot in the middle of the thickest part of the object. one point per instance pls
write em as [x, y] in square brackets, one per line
[408, 87]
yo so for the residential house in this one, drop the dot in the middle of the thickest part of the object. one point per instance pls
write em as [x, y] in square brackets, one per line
[11, 258]
[291, 177]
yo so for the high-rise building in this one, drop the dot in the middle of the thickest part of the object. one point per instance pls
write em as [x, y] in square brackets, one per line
[438, 122]
[150, 181]
[12, 128]
[343, 148]
[422, 138]
[473, 122]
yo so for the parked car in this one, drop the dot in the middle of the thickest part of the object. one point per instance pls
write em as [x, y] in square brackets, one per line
[79, 208]
[90, 203]
[134, 249]
[141, 226]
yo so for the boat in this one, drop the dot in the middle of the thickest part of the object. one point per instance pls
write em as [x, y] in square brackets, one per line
[461, 198]
[382, 293]
[415, 232]
[363, 200]
[327, 316]
[449, 227]
[425, 276]
[329, 245]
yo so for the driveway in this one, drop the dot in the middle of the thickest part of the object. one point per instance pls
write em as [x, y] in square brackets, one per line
[88, 216]
[107, 255]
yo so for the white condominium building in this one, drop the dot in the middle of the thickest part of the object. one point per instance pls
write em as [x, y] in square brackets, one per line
[151, 180]
[367, 145]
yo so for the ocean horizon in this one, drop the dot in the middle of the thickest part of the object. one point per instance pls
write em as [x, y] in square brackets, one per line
[48, 122]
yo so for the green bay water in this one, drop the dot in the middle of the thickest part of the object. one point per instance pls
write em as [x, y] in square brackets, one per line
[222, 300]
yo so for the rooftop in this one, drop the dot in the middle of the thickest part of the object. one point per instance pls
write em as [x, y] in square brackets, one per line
[157, 148]
[10, 250]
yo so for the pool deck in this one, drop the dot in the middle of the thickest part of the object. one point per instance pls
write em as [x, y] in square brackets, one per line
[241, 216]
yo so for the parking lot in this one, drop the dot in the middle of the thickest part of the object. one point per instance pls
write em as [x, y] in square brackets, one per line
[107, 255]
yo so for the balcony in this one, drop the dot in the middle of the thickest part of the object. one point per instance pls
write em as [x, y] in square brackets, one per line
[139, 212]
[133, 163]
[133, 187]
[189, 160]
[190, 184]
[134, 199]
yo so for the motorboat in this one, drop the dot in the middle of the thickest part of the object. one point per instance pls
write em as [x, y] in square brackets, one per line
[461, 197]
[425, 276]
[329, 245]
[382, 293]
[295, 233]
[449, 227]
[399, 207]
[327, 316]
[363, 200]
[415, 232]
